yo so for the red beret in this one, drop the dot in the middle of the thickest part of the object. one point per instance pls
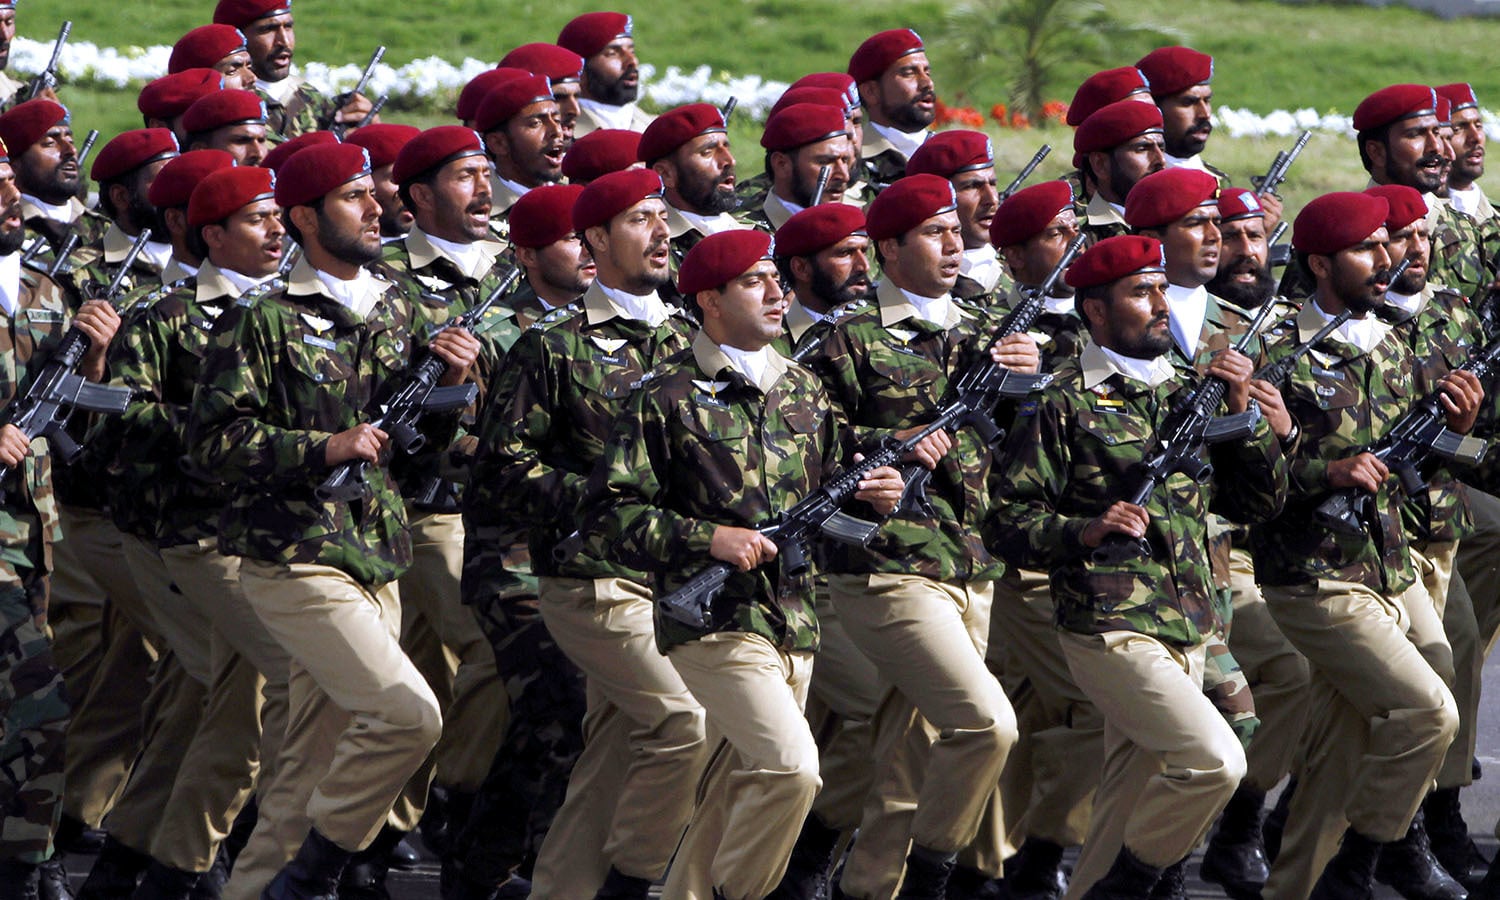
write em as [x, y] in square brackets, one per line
[1172, 70]
[907, 203]
[433, 148]
[169, 97]
[676, 127]
[479, 86]
[240, 13]
[1444, 111]
[504, 101]
[1103, 88]
[817, 228]
[838, 81]
[285, 150]
[1399, 101]
[204, 46]
[1027, 212]
[880, 51]
[1461, 95]
[817, 95]
[721, 258]
[221, 193]
[384, 141]
[544, 215]
[312, 174]
[801, 124]
[1338, 221]
[1239, 203]
[173, 185]
[601, 152]
[948, 153]
[26, 123]
[222, 109]
[592, 32]
[609, 195]
[1407, 204]
[1114, 125]
[1162, 198]
[131, 150]
[1113, 258]
[557, 63]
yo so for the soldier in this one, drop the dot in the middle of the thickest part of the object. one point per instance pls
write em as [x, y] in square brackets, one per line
[563, 68]
[1352, 604]
[124, 171]
[523, 134]
[558, 266]
[228, 120]
[1113, 149]
[689, 148]
[1031, 230]
[219, 47]
[384, 141]
[40, 137]
[321, 575]
[752, 191]
[479, 87]
[601, 152]
[1180, 79]
[1103, 88]
[894, 80]
[967, 159]
[169, 195]
[799, 141]
[1133, 632]
[163, 101]
[1468, 142]
[824, 258]
[611, 73]
[563, 383]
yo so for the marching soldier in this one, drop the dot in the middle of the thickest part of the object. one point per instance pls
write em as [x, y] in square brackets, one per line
[563, 68]
[1031, 231]
[228, 120]
[170, 193]
[523, 135]
[823, 256]
[1181, 83]
[384, 141]
[689, 148]
[124, 171]
[558, 266]
[894, 80]
[222, 48]
[163, 102]
[611, 73]
[800, 140]
[45, 161]
[1114, 148]
[967, 159]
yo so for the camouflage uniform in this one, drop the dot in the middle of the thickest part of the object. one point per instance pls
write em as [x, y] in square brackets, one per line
[880, 163]
[1100, 219]
[502, 198]
[294, 107]
[1461, 258]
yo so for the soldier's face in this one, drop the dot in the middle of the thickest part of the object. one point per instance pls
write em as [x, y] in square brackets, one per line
[701, 174]
[613, 75]
[237, 70]
[904, 95]
[1192, 247]
[459, 209]
[7, 34]
[349, 222]
[1357, 276]
[1244, 278]
[1132, 161]
[1411, 242]
[1412, 153]
[1135, 321]
[1040, 254]
[856, 134]
[245, 142]
[1186, 120]
[566, 94]
[271, 41]
[809, 160]
[927, 260]
[841, 273]
[747, 313]
[532, 149]
[395, 219]
[565, 266]
[249, 241]
[978, 198]
[49, 168]
[1468, 148]
[632, 253]
[12, 228]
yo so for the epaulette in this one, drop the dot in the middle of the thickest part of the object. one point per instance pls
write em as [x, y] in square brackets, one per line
[555, 316]
[660, 369]
[846, 311]
[150, 297]
[250, 297]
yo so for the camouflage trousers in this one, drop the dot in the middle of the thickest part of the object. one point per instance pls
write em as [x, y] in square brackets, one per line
[36, 715]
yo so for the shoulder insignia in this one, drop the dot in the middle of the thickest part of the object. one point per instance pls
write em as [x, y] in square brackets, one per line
[249, 298]
[846, 310]
[710, 388]
[433, 282]
[555, 316]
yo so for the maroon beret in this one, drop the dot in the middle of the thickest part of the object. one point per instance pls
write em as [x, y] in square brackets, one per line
[880, 51]
[479, 87]
[1239, 203]
[384, 141]
[721, 258]
[592, 32]
[1407, 204]
[221, 193]
[611, 194]
[676, 127]
[312, 174]
[557, 63]
[131, 150]
[801, 124]
[818, 95]
[1162, 198]
[948, 153]
[173, 185]
[1460, 94]
[1113, 258]
[907, 203]
[204, 46]
[26, 123]
[817, 228]
[601, 152]
[544, 215]
[1338, 221]
[433, 148]
[240, 13]
[504, 101]
[838, 81]
[222, 109]
[1172, 70]
[169, 97]
[285, 150]
[1103, 88]
[1114, 125]
[1444, 111]
[1027, 212]
[1389, 104]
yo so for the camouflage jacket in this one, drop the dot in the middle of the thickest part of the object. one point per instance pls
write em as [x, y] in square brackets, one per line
[880, 163]
[281, 377]
[684, 235]
[294, 107]
[556, 398]
[1059, 336]
[1101, 220]
[887, 370]
[1343, 400]
[1077, 451]
[1460, 257]
[701, 446]
[72, 272]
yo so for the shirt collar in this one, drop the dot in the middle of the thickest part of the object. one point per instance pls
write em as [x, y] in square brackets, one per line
[67, 213]
[604, 303]
[779, 209]
[1362, 334]
[1187, 308]
[216, 282]
[761, 368]
[897, 305]
[609, 115]
[473, 259]
[10, 283]
[981, 264]
[358, 295]
[798, 319]
[117, 244]
[280, 91]
[1190, 162]
[1102, 212]
[905, 142]
[1098, 363]
[681, 221]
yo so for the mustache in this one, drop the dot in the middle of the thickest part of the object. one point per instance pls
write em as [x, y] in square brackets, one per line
[1430, 159]
[1202, 125]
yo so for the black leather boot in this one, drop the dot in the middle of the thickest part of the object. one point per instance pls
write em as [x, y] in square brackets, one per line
[1350, 875]
[1036, 872]
[1489, 888]
[808, 867]
[1409, 866]
[927, 873]
[1235, 858]
[162, 882]
[1449, 834]
[364, 877]
[1172, 885]
[18, 880]
[967, 883]
[52, 879]
[313, 874]
[1127, 879]
[115, 872]
[619, 886]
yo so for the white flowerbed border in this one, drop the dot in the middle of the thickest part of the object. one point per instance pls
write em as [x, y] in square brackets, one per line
[434, 80]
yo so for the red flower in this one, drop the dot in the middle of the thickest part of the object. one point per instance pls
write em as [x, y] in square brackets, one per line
[1019, 120]
[999, 113]
[1055, 110]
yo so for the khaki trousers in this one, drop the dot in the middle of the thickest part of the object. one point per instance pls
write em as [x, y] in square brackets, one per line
[944, 726]
[1171, 762]
[763, 774]
[841, 708]
[1385, 718]
[1477, 566]
[1450, 595]
[631, 793]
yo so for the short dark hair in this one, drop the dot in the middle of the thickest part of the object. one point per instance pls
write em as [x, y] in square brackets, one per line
[1092, 292]
[1381, 134]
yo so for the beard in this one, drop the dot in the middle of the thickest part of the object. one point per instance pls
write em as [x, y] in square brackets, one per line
[712, 197]
[1193, 142]
[614, 92]
[909, 117]
[352, 248]
[11, 241]
[855, 287]
[1245, 296]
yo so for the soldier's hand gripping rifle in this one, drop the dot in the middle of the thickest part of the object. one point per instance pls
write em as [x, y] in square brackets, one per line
[1269, 182]
[1025, 173]
[58, 389]
[48, 76]
[342, 100]
[1281, 369]
[420, 393]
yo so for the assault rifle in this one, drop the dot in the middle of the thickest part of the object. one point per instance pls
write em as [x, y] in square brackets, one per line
[728, 109]
[87, 148]
[58, 389]
[1281, 369]
[1269, 182]
[342, 100]
[342, 128]
[68, 246]
[1026, 171]
[824, 174]
[1277, 253]
[419, 393]
[48, 76]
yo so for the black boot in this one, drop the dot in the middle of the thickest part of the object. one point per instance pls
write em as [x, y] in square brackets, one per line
[966, 883]
[1275, 823]
[402, 856]
[52, 879]
[18, 880]
[1350, 875]
[619, 886]
[210, 884]
[364, 877]
[1036, 872]
[73, 836]
[162, 882]
[1235, 858]
[115, 872]
[1127, 879]
[807, 869]
[1172, 885]
[1409, 866]
[1489, 888]
[1449, 834]
[313, 874]
[927, 873]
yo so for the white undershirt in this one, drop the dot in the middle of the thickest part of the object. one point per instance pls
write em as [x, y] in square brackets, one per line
[157, 254]
[357, 294]
[612, 116]
[56, 212]
[982, 264]
[1366, 333]
[707, 225]
[1060, 305]
[1150, 372]
[931, 309]
[10, 282]
[1468, 200]
[1186, 308]
[646, 308]
[749, 363]
[1192, 162]
[242, 283]
[905, 142]
[469, 257]
[1407, 303]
